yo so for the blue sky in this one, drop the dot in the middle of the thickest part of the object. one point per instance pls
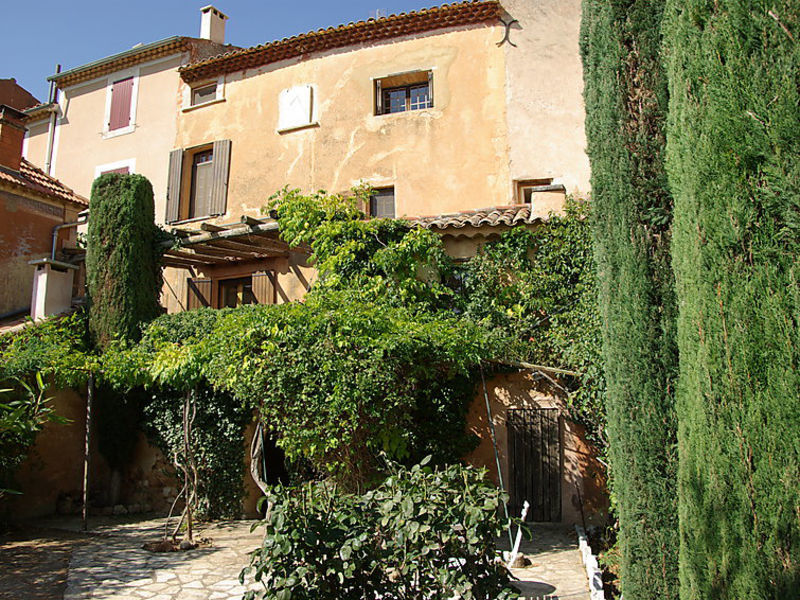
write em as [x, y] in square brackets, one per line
[76, 32]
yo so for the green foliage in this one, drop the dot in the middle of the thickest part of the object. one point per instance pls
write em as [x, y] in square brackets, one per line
[422, 533]
[122, 260]
[218, 438]
[535, 290]
[734, 166]
[337, 380]
[386, 260]
[24, 411]
[57, 348]
[626, 105]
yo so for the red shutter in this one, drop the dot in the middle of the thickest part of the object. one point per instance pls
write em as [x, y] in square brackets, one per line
[121, 171]
[121, 94]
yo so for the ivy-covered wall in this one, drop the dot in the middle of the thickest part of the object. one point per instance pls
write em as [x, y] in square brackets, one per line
[734, 168]
[626, 104]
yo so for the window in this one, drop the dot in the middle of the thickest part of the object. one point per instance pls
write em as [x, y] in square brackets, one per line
[121, 93]
[125, 167]
[197, 184]
[527, 190]
[236, 292]
[229, 292]
[404, 92]
[381, 203]
[204, 94]
[121, 96]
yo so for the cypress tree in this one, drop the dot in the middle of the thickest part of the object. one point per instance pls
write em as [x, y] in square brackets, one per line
[734, 167]
[122, 260]
[626, 102]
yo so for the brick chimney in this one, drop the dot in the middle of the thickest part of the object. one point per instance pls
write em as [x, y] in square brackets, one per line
[212, 24]
[12, 132]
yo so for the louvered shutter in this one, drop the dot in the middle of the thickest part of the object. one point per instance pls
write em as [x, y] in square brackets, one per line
[263, 288]
[121, 95]
[199, 293]
[219, 183]
[174, 186]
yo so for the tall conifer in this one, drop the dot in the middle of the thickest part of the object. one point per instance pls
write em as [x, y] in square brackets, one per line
[626, 102]
[734, 168]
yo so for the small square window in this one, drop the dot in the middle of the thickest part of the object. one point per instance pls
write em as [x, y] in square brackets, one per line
[204, 94]
[404, 92]
[381, 204]
[236, 292]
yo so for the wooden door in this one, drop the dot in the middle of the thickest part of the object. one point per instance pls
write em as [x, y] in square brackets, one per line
[534, 451]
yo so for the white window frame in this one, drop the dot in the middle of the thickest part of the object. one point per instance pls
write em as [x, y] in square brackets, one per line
[189, 89]
[128, 162]
[117, 76]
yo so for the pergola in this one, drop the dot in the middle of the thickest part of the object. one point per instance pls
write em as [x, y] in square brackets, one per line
[249, 239]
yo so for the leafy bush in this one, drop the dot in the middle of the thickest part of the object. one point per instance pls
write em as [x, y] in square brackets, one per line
[536, 292]
[422, 533]
[24, 411]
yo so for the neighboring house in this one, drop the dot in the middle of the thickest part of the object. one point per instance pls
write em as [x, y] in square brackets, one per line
[117, 114]
[14, 95]
[33, 207]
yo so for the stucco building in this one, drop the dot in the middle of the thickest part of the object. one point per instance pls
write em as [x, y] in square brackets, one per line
[467, 118]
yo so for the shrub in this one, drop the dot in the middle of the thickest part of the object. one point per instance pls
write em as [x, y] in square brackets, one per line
[420, 534]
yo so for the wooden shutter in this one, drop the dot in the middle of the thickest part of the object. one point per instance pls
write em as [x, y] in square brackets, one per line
[121, 95]
[219, 185]
[174, 185]
[263, 288]
[199, 293]
[121, 171]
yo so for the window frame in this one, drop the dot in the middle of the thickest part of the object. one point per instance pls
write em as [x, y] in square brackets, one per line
[373, 198]
[406, 81]
[189, 90]
[180, 182]
[132, 73]
[129, 163]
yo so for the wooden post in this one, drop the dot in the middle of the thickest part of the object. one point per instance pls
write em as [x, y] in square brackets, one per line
[87, 440]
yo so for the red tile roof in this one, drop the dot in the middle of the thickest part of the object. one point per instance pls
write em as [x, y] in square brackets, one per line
[511, 215]
[32, 179]
[371, 30]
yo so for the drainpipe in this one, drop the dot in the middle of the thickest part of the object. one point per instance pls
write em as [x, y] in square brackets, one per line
[83, 217]
[51, 132]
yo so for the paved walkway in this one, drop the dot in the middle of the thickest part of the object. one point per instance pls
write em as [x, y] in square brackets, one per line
[112, 565]
[556, 570]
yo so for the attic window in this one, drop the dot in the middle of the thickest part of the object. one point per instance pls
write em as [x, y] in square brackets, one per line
[526, 189]
[206, 93]
[404, 92]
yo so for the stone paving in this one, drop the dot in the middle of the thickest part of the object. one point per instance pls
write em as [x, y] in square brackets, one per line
[114, 566]
[110, 563]
[556, 570]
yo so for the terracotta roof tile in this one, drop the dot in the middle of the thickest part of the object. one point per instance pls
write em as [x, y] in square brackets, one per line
[483, 217]
[33, 179]
[447, 15]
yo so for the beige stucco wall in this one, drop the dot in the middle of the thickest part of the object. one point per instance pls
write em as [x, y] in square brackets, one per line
[584, 497]
[35, 145]
[544, 103]
[447, 158]
[81, 146]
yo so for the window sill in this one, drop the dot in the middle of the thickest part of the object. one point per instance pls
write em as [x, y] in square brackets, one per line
[418, 111]
[117, 132]
[298, 127]
[192, 220]
[202, 105]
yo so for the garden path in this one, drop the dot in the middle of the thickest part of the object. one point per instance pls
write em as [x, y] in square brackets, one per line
[556, 568]
[112, 565]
